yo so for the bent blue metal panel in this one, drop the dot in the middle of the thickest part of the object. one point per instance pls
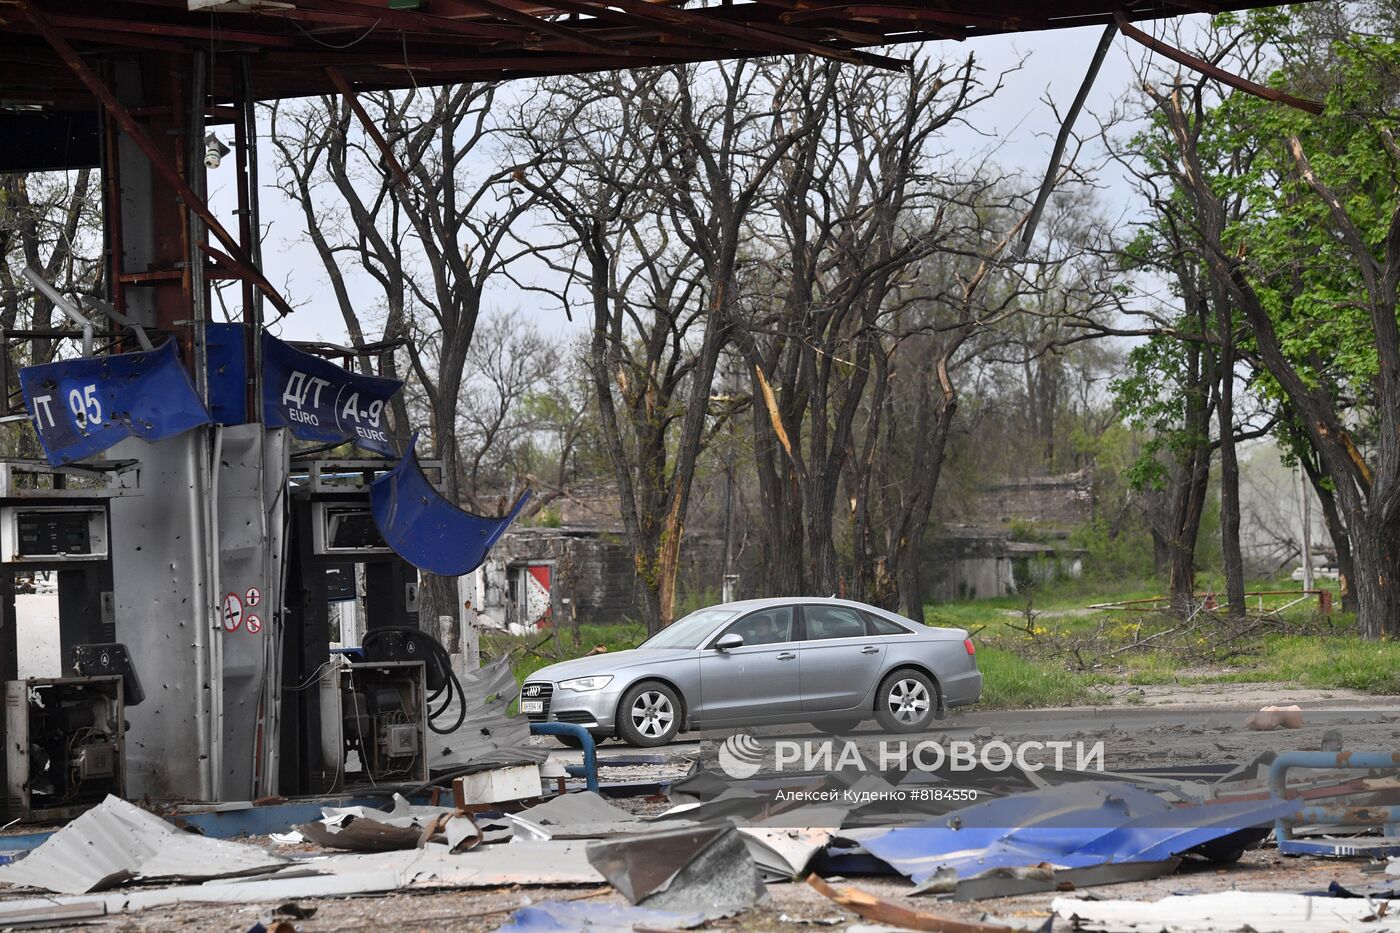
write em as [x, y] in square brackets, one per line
[226, 350]
[82, 407]
[424, 528]
[1072, 826]
[321, 401]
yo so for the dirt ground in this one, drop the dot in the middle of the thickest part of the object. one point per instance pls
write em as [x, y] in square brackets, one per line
[790, 906]
[1167, 726]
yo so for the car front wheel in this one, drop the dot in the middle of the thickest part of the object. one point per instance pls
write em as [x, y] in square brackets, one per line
[907, 701]
[649, 715]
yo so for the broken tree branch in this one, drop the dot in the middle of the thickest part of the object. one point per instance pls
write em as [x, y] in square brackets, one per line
[1213, 71]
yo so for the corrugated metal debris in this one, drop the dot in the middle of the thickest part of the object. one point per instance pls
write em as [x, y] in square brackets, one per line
[116, 842]
[702, 868]
[365, 829]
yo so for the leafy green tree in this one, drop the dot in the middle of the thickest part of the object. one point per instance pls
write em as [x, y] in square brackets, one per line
[1312, 263]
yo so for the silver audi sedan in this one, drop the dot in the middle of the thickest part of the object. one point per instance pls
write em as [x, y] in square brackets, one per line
[829, 662]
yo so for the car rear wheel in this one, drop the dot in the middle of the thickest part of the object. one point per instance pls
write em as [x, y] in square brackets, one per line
[907, 701]
[649, 715]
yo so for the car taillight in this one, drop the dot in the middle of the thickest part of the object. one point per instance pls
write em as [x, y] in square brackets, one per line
[971, 648]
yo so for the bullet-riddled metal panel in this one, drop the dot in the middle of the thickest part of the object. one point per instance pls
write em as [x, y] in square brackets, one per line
[164, 614]
[251, 484]
[277, 450]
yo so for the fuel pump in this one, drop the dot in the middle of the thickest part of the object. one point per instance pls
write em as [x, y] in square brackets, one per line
[359, 713]
[65, 719]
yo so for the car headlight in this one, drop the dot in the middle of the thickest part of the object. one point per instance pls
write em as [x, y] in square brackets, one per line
[585, 684]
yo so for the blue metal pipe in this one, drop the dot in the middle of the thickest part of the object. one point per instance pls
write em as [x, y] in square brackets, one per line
[590, 751]
[1388, 817]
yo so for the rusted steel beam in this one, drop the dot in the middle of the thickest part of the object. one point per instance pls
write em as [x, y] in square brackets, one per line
[1213, 71]
[361, 21]
[753, 37]
[1062, 139]
[168, 30]
[810, 11]
[423, 22]
[148, 147]
[370, 127]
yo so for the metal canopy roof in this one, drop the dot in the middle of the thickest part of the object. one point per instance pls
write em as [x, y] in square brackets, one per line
[398, 43]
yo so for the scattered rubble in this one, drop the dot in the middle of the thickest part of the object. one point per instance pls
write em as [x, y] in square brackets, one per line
[714, 847]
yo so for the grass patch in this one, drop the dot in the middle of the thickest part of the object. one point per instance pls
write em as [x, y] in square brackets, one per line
[1152, 667]
[1339, 661]
[1012, 681]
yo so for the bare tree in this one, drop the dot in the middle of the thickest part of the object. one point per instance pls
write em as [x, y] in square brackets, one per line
[509, 360]
[50, 221]
[658, 196]
[430, 239]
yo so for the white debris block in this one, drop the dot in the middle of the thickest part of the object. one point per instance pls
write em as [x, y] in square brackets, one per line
[516, 782]
[1230, 912]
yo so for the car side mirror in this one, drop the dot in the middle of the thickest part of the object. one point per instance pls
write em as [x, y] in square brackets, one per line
[729, 641]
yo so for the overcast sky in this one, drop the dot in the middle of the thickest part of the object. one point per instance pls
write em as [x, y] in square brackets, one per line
[1016, 128]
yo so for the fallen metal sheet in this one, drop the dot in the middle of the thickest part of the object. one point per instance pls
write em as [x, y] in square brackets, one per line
[361, 835]
[117, 841]
[511, 863]
[703, 868]
[486, 732]
[1228, 912]
[401, 813]
[557, 916]
[1073, 826]
[343, 875]
[585, 807]
[1009, 882]
[366, 829]
[1024, 829]
[583, 815]
[49, 914]
[783, 853]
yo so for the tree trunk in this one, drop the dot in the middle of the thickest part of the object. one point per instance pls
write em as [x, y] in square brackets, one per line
[938, 404]
[1337, 530]
[781, 569]
[1193, 479]
[1229, 467]
[1377, 581]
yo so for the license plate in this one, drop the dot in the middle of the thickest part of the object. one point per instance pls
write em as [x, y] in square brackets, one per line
[532, 706]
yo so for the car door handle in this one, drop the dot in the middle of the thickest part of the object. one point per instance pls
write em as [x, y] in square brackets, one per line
[870, 649]
[786, 656]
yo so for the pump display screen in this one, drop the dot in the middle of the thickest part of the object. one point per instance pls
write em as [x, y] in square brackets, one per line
[352, 530]
[46, 533]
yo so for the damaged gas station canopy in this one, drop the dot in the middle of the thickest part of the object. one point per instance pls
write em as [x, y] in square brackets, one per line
[315, 398]
[424, 528]
[396, 45]
[82, 407]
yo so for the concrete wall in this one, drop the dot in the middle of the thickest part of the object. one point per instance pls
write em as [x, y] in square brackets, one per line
[592, 570]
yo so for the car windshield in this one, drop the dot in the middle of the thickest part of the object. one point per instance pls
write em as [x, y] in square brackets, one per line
[690, 631]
